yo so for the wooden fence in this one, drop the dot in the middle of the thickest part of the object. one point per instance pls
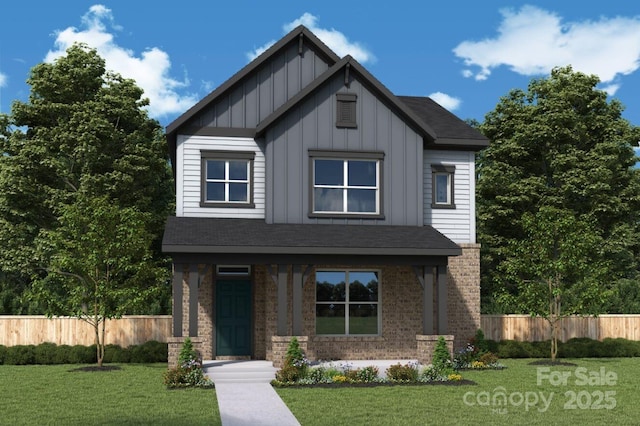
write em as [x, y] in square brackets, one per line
[137, 329]
[527, 328]
[126, 331]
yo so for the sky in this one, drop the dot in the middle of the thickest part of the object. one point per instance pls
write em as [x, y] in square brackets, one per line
[465, 55]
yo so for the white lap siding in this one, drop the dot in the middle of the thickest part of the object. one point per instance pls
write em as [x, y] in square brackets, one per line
[189, 177]
[458, 224]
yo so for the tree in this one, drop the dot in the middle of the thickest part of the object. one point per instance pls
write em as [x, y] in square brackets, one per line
[558, 268]
[83, 134]
[562, 145]
[98, 264]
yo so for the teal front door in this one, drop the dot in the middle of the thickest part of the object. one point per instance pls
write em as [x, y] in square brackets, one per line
[233, 317]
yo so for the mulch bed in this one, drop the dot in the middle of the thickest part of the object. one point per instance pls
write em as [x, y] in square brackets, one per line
[92, 368]
[553, 363]
[463, 382]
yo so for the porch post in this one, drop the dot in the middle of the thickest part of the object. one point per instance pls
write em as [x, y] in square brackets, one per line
[193, 300]
[442, 299]
[178, 276]
[282, 300]
[427, 301]
[297, 300]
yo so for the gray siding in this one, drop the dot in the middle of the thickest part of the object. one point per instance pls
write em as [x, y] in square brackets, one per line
[262, 92]
[311, 125]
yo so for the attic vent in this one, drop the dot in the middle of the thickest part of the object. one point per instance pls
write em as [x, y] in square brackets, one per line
[346, 110]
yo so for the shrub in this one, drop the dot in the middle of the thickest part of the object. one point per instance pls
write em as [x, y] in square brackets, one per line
[189, 372]
[403, 373]
[187, 352]
[441, 355]
[20, 355]
[151, 351]
[479, 343]
[45, 353]
[295, 364]
[3, 353]
[367, 374]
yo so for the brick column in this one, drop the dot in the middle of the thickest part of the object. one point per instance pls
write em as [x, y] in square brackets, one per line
[427, 344]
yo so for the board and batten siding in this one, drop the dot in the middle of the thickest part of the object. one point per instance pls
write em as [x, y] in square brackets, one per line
[263, 91]
[458, 224]
[312, 125]
[189, 177]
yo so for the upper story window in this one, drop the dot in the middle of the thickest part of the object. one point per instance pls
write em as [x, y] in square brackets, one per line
[227, 179]
[346, 110]
[346, 183]
[442, 185]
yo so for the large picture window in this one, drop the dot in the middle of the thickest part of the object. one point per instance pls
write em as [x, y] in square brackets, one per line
[347, 303]
[346, 186]
[226, 179]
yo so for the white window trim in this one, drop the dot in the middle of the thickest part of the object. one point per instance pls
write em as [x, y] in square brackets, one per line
[347, 156]
[347, 302]
[227, 181]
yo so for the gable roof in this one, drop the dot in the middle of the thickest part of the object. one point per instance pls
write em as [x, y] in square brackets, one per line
[438, 127]
[365, 77]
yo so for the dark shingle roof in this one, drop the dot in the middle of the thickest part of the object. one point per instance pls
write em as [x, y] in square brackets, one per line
[209, 235]
[447, 126]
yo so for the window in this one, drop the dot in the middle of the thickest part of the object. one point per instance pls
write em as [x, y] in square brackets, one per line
[346, 110]
[442, 185]
[226, 179]
[346, 184]
[233, 271]
[347, 303]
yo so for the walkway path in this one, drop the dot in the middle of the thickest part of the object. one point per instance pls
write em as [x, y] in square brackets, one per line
[245, 396]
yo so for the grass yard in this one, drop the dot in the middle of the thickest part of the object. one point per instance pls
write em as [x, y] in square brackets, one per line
[134, 395]
[581, 399]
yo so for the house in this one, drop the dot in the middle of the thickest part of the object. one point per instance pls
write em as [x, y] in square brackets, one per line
[313, 202]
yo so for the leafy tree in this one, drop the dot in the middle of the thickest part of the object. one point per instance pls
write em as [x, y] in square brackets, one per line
[561, 144]
[82, 135]
[98, 263]
[558, 268]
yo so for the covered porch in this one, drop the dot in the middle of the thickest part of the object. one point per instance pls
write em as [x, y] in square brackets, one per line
[216, 261]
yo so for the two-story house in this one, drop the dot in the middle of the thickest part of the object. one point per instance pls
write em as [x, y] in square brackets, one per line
[313, 202]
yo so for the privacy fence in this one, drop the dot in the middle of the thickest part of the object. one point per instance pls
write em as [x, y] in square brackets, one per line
[527, 328]
[135, 330]
[126, 331]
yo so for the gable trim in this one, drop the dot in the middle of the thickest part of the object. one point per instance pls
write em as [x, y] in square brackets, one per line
[369, 80]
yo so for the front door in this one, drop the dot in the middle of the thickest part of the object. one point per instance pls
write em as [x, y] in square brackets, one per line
[233, 317]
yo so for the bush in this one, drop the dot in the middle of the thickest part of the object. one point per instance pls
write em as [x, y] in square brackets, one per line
[574, 348]
[441, 355]
[295, 364]
[151, 351]
[45, 353]
[403, 373]
[20, 355]
[3, 353]
[367, 374]
[187, 352]
[189, 372]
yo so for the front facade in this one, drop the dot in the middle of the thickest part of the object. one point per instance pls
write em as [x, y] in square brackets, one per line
[312, 202]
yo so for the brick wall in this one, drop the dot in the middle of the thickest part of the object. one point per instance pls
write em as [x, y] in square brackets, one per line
[463, 298]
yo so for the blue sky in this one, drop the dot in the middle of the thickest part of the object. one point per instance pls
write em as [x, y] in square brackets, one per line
[465, 55]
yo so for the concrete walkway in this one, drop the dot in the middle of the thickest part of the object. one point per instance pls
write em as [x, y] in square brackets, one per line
[245, 396]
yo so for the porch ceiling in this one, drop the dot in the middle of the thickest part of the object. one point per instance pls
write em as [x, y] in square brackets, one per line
[252, 236]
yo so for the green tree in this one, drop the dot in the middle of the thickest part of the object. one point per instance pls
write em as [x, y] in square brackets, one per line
[98, 264]
[561, 144]
[82, 134]
[558, 268]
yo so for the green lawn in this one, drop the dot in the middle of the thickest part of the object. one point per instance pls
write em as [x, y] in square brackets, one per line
[573, 403]
[134, 395]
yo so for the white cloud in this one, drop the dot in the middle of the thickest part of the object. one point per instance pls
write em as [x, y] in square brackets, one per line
[150, 70]
[448, 102]
[3, 80]
[532, 41]
[333, 38]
